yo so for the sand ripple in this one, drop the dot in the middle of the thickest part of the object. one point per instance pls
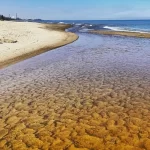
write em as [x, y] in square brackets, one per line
[76, 98]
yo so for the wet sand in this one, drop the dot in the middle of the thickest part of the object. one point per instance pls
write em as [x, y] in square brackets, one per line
[22, 40]
[122, 33]
[79, 97]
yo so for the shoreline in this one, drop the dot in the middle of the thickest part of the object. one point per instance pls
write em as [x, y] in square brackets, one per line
[99, 92]
[122, 33]
[37, 45]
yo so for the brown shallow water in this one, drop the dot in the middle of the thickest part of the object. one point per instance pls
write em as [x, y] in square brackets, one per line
[93, 94]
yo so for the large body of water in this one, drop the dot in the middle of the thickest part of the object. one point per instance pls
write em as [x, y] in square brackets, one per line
[93, 94]
[115, 25]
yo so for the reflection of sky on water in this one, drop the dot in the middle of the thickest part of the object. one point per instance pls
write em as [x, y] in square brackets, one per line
[92, 93]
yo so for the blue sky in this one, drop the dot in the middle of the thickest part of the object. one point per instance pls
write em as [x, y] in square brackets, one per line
[77, 9]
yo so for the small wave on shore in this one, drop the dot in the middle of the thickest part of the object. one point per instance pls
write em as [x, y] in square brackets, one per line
[88, 27]
[138, 26]
[61, 23]
[124, 29]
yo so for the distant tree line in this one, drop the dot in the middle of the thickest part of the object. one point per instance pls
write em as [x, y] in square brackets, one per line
[2, 18]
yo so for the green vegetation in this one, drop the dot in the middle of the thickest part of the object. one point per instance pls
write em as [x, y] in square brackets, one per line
[2, 18]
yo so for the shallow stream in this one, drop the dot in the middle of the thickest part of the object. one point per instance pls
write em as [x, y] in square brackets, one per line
[93, 94]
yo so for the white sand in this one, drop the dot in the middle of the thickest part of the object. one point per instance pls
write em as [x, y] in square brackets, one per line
[30, 37]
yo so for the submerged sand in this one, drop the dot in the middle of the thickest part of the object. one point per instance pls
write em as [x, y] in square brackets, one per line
[21, 40]
[122, 33]
[79, 98]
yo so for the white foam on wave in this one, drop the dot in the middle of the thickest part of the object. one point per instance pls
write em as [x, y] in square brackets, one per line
[114, 28]
[61, 23]
[85, 30]
[122, 29]
[78, 24]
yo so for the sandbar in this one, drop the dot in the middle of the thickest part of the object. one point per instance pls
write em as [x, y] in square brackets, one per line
[122, 33]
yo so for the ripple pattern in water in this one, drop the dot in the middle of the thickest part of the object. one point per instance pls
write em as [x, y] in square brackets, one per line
[90, 95]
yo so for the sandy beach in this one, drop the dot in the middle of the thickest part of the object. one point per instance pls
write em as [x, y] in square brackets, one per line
[122, 33]
[22, 40]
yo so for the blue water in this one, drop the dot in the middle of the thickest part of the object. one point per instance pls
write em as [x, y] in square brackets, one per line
[91, 94]
[116, 25]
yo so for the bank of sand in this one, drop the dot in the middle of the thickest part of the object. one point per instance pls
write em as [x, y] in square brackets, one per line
[22, 40]
[122, 33]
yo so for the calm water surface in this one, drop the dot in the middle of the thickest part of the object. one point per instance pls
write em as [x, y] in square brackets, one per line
[93, 94]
